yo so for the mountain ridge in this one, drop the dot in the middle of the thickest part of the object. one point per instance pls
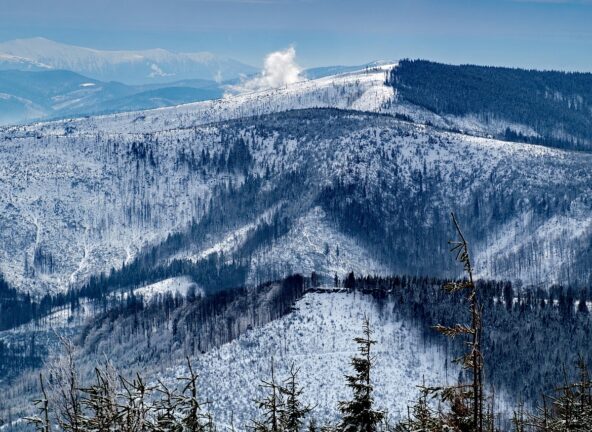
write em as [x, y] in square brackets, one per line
[131, 67]
[332, 157]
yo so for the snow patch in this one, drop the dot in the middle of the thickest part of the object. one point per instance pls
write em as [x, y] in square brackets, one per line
[177, 285]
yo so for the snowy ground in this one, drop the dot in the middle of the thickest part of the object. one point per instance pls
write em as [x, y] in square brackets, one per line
[177, 285]
[80, 191]
[313, 244]
[317, 338]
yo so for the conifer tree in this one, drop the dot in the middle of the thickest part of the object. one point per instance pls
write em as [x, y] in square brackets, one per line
[166, 407]
[421, 417]
[134, 409]
[293, 411]
[358, 414]
[466, 397]
[272, 406]
[570, 409]
[66, 390]
[99, 402]
[464, 401]
[194, 419]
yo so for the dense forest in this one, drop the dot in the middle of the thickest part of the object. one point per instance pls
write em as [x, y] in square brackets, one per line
[556, 105]
[511, 327]
[380, 183]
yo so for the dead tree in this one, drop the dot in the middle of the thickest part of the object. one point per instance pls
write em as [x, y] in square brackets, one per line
[472, 360]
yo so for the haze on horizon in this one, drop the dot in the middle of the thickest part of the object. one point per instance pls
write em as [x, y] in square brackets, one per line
[540, 34]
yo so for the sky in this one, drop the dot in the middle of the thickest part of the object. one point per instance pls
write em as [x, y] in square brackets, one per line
[541, 34]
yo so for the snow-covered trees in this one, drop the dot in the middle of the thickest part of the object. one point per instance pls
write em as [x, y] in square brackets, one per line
[569, 409]
[271, 406]
[294, 412]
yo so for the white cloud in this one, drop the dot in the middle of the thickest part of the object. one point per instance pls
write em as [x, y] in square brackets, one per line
[280, 68]
[157, 72]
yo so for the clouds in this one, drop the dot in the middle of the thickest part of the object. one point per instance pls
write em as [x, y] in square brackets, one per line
[280, 69]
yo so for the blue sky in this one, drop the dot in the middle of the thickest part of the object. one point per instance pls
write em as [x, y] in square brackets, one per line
[543, 34]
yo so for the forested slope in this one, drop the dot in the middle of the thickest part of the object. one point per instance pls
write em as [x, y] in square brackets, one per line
[546, 107]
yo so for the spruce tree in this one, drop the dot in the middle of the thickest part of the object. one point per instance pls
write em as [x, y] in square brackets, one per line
[99, 402]
[41, 421]
[464, 402]
[358, 414]
[293, 411]
[193, 417]
[272, 406]
[570, 409]
[466, 399]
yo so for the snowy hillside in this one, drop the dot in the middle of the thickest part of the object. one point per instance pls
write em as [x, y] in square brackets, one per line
[362, 90]
[318, 339]
[83, 196]
[31, 96]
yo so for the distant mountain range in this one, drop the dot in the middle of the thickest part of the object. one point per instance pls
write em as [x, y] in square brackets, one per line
[41, 79]
[130, 67]
[27, 96]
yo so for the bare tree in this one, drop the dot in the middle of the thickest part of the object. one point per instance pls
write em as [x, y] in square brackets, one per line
[472, 360]
[41, 421]
[66, 390]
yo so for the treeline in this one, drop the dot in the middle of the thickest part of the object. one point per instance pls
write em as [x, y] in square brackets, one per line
[213, 273]
[170, 325]
[112, 401]
[464, 311]
[526, 326]
[20, 354]
[380, 219]
[556, 105]
[235, 156]
[522, 321]
[17, 308]
[224, 214]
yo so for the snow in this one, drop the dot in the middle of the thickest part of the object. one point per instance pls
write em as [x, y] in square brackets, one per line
[177, 285]
[313, 244]
[317, 338]
[138, 67]
[72, 188]
[363, 90]
[548, 239]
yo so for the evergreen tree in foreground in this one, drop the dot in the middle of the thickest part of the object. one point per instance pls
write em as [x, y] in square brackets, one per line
[358, 414]
[569, 410]
[272, 405]
[294, 411]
